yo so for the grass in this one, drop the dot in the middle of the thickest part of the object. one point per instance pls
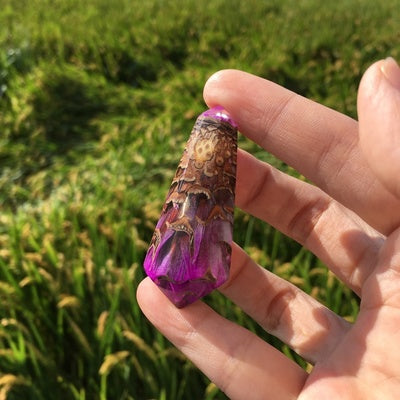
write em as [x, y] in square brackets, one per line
[96, 101]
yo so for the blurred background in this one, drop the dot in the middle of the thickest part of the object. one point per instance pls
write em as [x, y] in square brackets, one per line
[97, 99]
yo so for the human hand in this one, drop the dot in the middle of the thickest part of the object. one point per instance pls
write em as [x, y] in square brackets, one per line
[350, 220]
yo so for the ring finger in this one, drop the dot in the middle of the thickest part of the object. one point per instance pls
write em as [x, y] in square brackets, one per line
[282, 309]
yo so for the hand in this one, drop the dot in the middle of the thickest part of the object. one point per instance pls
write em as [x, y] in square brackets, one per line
[349, 220]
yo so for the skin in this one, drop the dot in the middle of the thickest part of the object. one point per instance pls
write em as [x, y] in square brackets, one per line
[349, 218]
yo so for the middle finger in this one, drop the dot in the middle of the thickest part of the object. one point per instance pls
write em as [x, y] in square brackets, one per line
[338, 237]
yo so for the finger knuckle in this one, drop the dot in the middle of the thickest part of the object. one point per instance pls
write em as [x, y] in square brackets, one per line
[276, 309]
[303, 222]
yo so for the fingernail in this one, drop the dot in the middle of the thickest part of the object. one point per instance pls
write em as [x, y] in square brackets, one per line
[391, 71]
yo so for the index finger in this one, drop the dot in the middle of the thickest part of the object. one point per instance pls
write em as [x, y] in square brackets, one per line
[320, 143]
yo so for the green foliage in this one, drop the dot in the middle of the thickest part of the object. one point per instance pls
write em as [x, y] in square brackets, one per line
[96, 101]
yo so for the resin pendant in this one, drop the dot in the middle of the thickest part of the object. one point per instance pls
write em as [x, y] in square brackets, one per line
[190, 252]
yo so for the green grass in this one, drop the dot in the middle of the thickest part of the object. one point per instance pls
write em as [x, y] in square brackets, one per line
[96, 102]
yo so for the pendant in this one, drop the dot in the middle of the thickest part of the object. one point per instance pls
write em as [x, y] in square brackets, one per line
[190, 252]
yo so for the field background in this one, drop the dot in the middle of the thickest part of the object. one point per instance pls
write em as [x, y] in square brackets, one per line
[97, 99]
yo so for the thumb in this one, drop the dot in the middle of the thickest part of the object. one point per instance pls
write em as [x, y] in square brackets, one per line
[379, 121]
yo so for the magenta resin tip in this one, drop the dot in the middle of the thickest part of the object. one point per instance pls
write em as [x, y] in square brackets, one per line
[190, 252]
[219, 112]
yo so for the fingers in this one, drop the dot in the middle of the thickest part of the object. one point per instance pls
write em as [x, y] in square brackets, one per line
[236, 360]
[383, 287]
[346, 244]
[320, 143]
[283, 310]
[379, 114]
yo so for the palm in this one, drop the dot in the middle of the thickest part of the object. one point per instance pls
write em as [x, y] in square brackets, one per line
[365, 364]
[348, 220]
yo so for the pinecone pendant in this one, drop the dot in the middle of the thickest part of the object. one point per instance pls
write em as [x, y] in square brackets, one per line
[190, 252]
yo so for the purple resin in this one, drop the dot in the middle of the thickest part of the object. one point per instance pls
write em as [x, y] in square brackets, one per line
[190, 252]
[218, 112]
